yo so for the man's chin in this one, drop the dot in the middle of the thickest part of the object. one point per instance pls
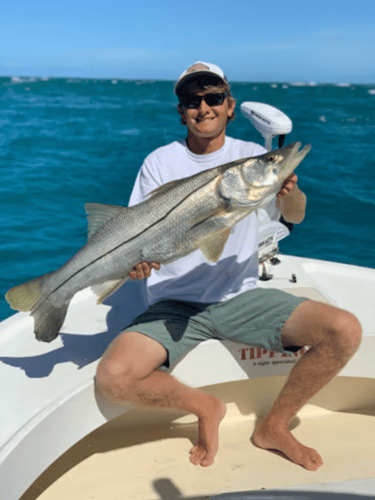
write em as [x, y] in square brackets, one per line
[208, 134]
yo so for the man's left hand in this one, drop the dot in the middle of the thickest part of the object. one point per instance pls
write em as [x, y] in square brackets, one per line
[288, 185]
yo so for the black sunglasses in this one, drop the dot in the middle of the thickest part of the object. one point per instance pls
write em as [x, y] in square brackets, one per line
[194, 101]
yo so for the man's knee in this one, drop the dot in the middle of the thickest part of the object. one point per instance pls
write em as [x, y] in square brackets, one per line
[113, 380]
[346, 331]
[317, 324]
[341, 331]
[130, 358]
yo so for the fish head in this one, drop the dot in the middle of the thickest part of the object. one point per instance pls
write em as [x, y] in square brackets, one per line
[253, 182]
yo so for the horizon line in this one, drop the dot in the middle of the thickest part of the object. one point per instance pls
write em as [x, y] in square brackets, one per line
[151, 80]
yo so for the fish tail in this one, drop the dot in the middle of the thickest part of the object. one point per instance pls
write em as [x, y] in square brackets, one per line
[25, 297]
[48, 320]
[29, 297]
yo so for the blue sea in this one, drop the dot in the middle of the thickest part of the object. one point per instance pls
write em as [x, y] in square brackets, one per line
[65, 142]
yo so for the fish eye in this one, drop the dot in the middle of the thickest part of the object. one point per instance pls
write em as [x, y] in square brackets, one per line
[271, 158]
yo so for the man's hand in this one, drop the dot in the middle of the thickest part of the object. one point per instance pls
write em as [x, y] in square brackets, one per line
[288, 185]
[143, 270]
[291, 201]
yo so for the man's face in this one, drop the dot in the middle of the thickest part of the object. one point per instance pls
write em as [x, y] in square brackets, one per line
[207, 121]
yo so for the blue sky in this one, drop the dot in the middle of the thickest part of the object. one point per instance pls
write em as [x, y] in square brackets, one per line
[322, 41]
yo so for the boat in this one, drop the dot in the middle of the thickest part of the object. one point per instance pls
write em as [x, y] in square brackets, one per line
[59, 438]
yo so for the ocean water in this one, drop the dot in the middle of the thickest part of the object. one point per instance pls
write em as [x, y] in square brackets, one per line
[65, 142]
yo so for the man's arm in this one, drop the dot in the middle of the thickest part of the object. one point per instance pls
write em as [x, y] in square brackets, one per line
[291, 201]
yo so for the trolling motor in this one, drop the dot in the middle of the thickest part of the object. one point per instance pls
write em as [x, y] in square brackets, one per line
[270, 122]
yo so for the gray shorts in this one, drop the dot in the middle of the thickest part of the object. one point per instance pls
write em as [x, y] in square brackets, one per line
[255, 317]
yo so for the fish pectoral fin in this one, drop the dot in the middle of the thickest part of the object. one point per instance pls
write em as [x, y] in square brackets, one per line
[213, 246]
[104, 290]
[98, 214]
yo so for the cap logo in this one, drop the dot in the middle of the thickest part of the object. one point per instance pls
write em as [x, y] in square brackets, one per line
[197, 67]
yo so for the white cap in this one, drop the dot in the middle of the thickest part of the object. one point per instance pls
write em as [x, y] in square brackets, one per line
[200, 68]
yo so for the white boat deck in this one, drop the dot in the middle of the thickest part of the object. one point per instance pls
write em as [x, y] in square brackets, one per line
[143, 454]
[49, 402]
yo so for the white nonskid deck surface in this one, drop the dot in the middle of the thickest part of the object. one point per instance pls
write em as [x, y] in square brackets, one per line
[50, 382]
[149, 461]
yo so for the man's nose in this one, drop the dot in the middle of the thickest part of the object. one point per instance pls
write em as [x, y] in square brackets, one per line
[203, 107]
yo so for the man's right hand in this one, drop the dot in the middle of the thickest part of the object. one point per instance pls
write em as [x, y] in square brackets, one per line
[143, 270]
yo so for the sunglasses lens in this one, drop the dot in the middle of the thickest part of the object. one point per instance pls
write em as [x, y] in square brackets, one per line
[214, 99]
[194, 101]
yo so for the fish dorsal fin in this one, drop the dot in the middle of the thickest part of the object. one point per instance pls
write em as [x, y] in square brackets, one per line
[106, 289]
[213, 246]
[98, 214]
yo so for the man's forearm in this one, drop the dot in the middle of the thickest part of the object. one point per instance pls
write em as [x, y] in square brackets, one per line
[293, 205]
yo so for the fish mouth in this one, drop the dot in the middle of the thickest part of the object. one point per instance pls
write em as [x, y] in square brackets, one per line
[291, 157]
[301, 154]
[294, 157]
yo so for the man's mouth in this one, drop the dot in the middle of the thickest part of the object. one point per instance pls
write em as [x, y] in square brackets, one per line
[199, 120]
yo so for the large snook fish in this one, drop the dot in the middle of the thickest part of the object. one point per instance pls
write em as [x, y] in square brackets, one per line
[178, 218]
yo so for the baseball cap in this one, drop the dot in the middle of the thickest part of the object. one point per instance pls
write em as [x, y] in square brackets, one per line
[200, 68]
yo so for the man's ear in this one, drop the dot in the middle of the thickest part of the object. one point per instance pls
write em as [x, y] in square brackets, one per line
[181, 112]
[231, 106]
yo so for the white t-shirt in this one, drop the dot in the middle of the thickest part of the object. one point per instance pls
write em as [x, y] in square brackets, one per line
[193, 277]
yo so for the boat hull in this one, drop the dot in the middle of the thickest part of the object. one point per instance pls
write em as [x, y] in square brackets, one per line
[52, 403]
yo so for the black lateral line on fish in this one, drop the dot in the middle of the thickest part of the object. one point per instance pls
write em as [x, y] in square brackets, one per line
[124, 242]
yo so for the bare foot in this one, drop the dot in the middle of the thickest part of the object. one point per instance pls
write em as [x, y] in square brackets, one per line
[270, 437]
[203, 453]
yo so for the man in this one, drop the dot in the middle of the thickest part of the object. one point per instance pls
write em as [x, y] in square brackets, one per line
[192, 300]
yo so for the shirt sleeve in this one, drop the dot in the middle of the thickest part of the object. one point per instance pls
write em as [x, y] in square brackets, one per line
[145, 182]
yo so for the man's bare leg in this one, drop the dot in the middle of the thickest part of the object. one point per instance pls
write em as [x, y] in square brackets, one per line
[334, 336]
[129, 372]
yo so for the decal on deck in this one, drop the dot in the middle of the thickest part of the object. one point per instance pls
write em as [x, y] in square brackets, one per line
[263, 357]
